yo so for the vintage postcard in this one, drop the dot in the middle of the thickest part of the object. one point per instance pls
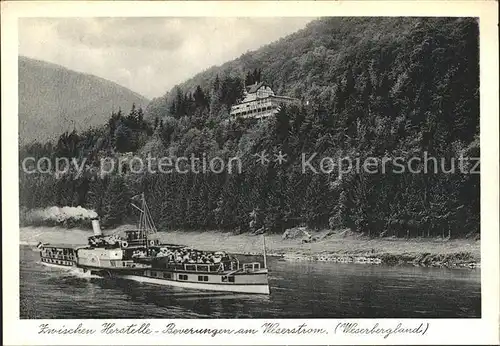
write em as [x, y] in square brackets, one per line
[250, 172]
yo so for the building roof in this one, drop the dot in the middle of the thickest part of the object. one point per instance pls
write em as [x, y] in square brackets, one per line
[275, 97]
[253, 88]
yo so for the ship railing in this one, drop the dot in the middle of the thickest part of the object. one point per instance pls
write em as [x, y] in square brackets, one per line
[60, 257]
[132, 264]
[136, 242]
[251, 266]
[202, 267]
[207, 268]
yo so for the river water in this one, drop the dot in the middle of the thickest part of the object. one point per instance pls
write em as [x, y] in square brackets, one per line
[298, 289]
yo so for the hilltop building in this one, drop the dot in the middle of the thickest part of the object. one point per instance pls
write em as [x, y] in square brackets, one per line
[260, 102]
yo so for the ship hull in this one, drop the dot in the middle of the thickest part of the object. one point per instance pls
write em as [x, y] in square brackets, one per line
[59, 266]
[237, 288]
[252, 283]
[110, 262]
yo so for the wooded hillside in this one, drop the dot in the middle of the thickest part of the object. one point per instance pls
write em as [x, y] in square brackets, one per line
[54, 99]
[371, 87]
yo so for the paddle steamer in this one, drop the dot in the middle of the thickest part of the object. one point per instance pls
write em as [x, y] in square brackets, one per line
[140, 256]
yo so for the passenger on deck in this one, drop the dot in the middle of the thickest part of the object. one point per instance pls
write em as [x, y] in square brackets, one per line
[191, 256]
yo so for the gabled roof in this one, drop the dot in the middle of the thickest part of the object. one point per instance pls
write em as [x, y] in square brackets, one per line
[253, 88]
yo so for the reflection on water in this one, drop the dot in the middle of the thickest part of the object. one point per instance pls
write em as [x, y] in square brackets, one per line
[298, 289]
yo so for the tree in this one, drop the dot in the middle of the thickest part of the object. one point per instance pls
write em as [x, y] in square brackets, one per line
[115, 202]
[122, 138]
[200, 99]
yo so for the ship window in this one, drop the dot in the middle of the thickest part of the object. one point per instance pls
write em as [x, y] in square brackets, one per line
[231, 278]
[154, 274]
[183, 277]
[202, 278]
[167, 275]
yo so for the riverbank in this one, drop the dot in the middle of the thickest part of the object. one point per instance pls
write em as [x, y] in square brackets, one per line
[336, 247]
[339, 247]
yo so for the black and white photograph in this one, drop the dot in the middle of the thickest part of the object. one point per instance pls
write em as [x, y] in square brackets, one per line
[246, 167]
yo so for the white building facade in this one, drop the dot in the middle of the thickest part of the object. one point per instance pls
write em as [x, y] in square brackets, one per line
[260, 102]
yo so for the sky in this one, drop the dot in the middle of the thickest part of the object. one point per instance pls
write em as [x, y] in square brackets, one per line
[148, 55]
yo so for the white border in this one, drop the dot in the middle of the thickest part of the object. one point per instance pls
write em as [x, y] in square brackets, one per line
[442, 331]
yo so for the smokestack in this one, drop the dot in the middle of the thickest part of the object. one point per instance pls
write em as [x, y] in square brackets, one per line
[96, 227]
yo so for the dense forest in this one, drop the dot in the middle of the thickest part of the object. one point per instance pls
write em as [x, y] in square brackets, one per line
[370, 87]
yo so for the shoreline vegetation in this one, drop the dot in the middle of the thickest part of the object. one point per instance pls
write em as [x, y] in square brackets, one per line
[341, 246]
[298, 244]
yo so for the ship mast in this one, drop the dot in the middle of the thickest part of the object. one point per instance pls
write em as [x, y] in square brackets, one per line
[146, 224]
[264, 244]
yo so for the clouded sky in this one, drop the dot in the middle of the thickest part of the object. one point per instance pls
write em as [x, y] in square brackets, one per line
[147, 55]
